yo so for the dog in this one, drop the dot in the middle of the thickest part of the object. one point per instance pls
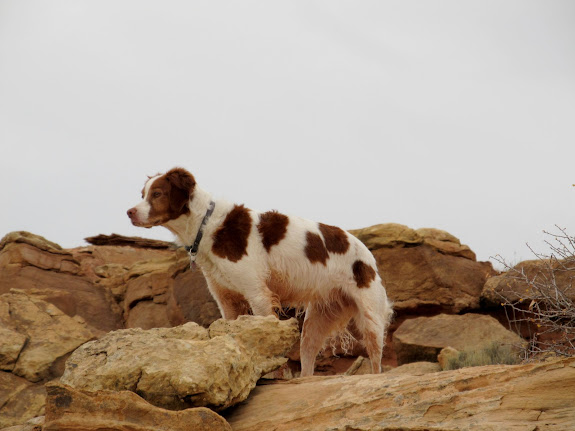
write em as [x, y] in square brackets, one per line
[262, 261]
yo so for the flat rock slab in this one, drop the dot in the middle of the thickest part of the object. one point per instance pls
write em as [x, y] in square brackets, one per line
[422, 338]
[490, 398]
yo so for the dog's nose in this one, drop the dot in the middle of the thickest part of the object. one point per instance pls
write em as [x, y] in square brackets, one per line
[132, 212]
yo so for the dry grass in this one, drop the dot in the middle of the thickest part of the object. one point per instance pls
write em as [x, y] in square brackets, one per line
[494, 353]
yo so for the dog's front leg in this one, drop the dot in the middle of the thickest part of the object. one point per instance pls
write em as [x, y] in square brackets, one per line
[230, 303]
[263, 302]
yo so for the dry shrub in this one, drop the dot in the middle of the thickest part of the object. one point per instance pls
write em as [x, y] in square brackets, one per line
[493, 353]
[541, 298]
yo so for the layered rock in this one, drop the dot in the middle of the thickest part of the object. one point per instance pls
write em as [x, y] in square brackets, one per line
[502, 397]
[72, 409]
[121, 282]
[422, 338]
[36, 336]
[164, 292]
[426, 270]
[186, 366]
[44, 270]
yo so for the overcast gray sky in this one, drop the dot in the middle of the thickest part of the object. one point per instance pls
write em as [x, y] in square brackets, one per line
[458, 115]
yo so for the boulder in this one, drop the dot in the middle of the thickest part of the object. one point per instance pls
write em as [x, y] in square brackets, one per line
[389, 235]
[426, 270]
[446, 355]
[38, 337]
[19, 399]
[491, 398]
[422, 338]
[512, 287]
[121, 282]
[186, 366]
[72, 409]
[42, 268]
[165, 292]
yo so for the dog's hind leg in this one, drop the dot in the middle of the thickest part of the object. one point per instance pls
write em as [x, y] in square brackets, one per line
[372, 319]
[322, 321]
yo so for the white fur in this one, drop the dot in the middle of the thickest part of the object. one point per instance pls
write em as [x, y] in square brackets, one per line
[144, 207]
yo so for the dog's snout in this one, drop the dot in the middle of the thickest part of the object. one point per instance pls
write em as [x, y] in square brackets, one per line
[132, 212]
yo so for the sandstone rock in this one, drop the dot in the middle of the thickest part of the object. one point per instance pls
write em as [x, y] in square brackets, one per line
[23, 237]
[511, 287]
[72, 409]
[422, 338]
[11, 343]
[393, 235]
[421, 280]
[415, 369]
[181, 367]
[166, 292]
[361, 366]
[20, 400]
[426, 270]
[31, 263]
[131, 241]
[445, 355]
[109, 286]
[34, 424]
[387, 235]
[49, 335]
[189, 299]
[521, 397]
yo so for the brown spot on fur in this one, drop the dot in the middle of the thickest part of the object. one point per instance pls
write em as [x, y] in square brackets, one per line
[169, 196]
[231, 238]
[335, 238]
[315, 249]
[362, 274]
[272, 228]
[234, 304]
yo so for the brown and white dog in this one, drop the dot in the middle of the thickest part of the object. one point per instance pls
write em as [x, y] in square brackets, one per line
[261, 261]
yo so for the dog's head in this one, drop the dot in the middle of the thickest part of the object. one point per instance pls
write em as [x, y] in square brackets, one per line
[165, 197]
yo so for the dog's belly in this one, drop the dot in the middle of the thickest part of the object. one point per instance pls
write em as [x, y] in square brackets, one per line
[297, 294]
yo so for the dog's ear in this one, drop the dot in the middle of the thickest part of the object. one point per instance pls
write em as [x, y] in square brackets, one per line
[183, 184]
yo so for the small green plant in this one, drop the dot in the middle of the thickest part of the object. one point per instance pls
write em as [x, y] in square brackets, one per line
[494, 353]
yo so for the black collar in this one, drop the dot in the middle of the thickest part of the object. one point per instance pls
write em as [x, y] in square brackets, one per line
[193, 249]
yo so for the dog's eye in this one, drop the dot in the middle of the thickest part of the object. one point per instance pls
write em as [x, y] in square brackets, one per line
[156, 194]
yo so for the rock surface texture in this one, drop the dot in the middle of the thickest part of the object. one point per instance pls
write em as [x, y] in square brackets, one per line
[492, 398]
[422, 338]
[186, 366]
[426, 270]
[19, 399]
[70, 409]
[118, 312]
[36, 336]
[43, 269]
